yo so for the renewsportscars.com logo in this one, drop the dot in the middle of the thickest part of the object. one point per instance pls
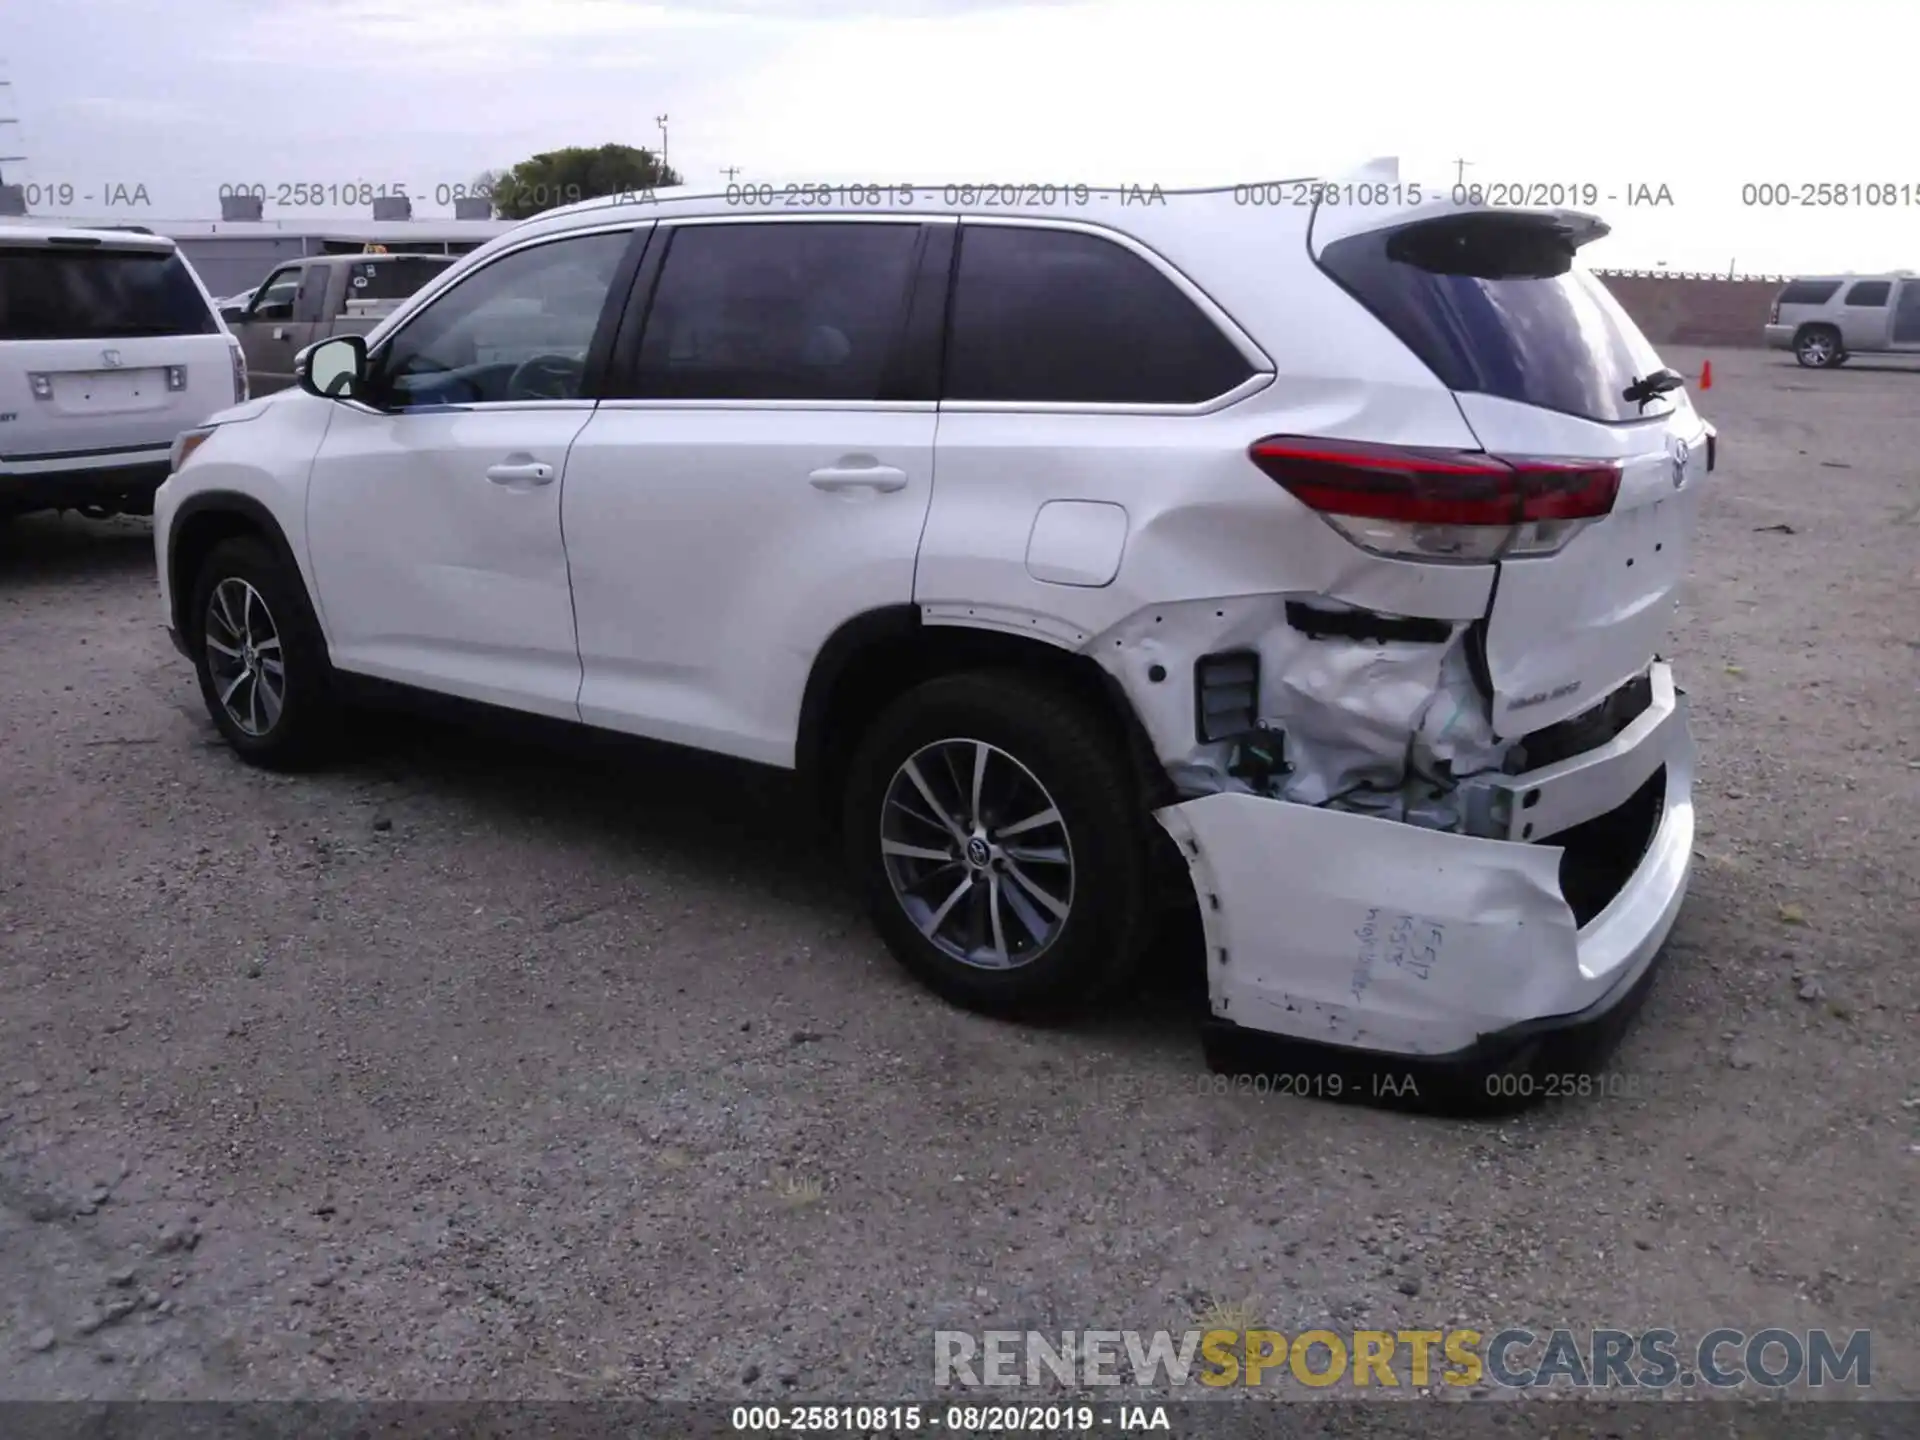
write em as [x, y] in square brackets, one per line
[1514, 1359]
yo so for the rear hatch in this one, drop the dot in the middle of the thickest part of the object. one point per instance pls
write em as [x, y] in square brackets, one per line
[1544, 365]
[108, 346]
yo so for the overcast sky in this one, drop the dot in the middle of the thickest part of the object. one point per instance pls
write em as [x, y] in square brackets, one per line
[1703, 98]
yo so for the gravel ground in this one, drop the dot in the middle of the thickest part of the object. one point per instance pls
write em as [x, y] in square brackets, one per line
[473, 1068]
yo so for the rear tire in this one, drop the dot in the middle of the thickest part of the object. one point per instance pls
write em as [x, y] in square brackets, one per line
[260, 657]
[992, 906]
[1817, 347]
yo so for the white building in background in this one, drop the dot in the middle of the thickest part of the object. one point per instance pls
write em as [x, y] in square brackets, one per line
[236, 252]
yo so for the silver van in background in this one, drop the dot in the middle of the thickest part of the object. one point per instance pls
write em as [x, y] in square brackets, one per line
[1827, 319]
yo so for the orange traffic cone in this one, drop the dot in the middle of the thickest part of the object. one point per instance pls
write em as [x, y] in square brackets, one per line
[1706, 374]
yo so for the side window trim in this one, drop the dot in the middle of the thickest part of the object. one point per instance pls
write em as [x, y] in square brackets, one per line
[623, 369]
[1258, 361]
[638, 234]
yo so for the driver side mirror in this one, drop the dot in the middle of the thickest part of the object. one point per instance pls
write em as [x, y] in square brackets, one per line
[333, 369]
[231, 313]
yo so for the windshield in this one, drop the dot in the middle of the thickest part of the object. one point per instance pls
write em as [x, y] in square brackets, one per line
[61, 293]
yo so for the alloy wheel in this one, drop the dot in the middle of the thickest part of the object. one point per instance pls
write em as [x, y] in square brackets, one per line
[244, 658]
[977, 854]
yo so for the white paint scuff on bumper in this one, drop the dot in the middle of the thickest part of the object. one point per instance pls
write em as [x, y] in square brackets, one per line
[1370, 933]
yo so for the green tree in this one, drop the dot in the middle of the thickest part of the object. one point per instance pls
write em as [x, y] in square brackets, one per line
[566, 177]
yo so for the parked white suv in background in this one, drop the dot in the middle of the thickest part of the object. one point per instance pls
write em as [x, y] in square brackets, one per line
[109, 347]
[1047, 534]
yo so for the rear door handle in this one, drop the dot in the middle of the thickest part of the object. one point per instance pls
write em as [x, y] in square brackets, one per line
[533, 473]
[858, 477]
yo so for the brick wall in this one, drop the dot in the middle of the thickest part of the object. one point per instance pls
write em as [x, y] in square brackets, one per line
[1696, 309]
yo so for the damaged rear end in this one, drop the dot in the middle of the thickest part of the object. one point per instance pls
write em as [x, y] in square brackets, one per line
[1439, 803]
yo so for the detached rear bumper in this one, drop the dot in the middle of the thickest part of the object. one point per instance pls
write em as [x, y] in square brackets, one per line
[1370, 947]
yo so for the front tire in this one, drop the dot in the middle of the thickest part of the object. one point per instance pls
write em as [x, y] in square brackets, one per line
[260, 658]
[996, 827]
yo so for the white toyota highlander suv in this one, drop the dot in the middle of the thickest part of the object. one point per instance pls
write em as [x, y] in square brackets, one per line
[1322, 554]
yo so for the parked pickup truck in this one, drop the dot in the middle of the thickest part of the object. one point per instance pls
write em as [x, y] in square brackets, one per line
[312, 299]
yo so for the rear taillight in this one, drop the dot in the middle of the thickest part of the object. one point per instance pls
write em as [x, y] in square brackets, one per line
[1774, 317]
[1463, 506]
[239, 373]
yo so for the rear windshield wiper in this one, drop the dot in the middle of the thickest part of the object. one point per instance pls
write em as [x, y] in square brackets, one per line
[1651, 387]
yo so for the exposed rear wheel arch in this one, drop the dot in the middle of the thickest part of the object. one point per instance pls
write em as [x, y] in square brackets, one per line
[874, 659]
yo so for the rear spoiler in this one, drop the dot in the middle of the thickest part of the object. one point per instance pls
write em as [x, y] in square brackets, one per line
[1396, 203]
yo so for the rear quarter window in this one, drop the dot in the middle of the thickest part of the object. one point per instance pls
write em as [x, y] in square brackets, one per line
[1063, 317]
[86, 293]
[391, 279]
[1495, 305]
[1809, 292]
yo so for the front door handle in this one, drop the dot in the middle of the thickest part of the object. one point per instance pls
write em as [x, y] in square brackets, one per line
[858, 477]
[535, 472]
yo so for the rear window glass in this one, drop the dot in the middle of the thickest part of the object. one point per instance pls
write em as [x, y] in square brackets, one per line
[1809, 292]
[1497, 307]
[49, 293]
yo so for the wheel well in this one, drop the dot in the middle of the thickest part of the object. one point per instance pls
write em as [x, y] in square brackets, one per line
[1815, 325]
[880, 658]
[210, 520]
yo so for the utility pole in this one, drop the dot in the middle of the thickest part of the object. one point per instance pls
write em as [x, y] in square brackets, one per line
[732, 172]
[6, 119]
[13, 198]
[1460, 171]
[661, 121]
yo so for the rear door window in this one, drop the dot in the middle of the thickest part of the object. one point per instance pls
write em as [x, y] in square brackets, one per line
[1870, 292]
[801, 311]
[1495, 305]
[1809, 292]
[1063, 317]
[94, 293]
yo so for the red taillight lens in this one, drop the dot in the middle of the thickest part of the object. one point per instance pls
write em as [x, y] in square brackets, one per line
[1459, 505]
[1774, 318]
